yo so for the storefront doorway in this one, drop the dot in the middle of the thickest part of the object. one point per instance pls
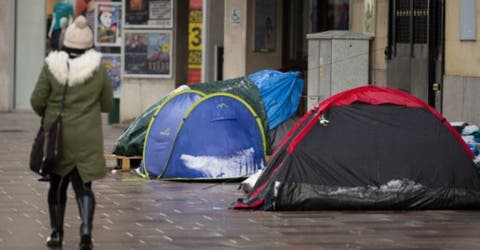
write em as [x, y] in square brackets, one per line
[415, 48]
[302, 18]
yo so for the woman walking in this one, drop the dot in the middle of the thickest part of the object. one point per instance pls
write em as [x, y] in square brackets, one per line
[78, 70]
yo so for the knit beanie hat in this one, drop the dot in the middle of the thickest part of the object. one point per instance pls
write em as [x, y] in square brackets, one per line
[78, 35]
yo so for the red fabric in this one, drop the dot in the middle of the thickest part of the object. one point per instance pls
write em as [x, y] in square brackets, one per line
[254, 204]
[194, 76]
[293, 130]
[374, 95]
[196, 4]
[258, 191]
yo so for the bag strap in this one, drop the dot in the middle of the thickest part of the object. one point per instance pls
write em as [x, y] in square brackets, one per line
[62, 107]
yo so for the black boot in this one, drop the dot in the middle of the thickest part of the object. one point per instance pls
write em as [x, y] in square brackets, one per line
[57, 213]
[86, 207]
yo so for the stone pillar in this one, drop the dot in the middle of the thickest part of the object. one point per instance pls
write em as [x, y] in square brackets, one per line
[240, 56]
[337, 61]
[7, 50]
[235, 37]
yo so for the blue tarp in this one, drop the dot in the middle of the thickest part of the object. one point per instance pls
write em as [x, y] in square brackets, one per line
[280, 93]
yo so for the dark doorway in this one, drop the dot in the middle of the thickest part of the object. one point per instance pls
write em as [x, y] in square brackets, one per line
[302, 18]
[415, 48]
[219, 63]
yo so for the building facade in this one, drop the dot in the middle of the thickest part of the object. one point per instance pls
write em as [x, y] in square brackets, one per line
[461, 81]
[426, 47]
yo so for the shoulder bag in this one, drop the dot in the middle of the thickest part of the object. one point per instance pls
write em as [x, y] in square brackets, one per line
[48, 144]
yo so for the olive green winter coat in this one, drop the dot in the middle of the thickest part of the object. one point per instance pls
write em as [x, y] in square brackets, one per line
[89, 93]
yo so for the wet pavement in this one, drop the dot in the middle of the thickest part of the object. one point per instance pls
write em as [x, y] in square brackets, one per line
[134, 213]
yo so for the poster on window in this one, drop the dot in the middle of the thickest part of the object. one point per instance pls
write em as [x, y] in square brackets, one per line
[112, 63]
[264, 25]
[148, 13]
[86, 8]
[107, 28]
[147, 53]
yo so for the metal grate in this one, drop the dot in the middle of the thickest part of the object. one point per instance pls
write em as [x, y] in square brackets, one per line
[411, 16]
[420, 21]
[402, 21]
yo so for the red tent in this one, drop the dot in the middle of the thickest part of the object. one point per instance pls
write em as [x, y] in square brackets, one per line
[369, 148]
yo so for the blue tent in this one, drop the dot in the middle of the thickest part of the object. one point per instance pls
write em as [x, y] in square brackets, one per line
[273, 95]
[161, 132]
[192, 136]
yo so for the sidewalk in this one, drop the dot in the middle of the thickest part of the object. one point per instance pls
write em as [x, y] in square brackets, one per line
[134, 213]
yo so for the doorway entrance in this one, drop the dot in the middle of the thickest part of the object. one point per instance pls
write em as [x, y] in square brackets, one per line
[302, 18]
[415, 48]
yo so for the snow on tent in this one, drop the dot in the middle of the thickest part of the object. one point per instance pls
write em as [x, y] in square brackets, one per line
[368, 148]
[197, 136]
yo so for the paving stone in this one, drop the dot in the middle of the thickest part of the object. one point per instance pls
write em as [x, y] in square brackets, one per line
[134, 213]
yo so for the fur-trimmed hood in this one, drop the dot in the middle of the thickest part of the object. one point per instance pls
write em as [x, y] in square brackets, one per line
[81, 68]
